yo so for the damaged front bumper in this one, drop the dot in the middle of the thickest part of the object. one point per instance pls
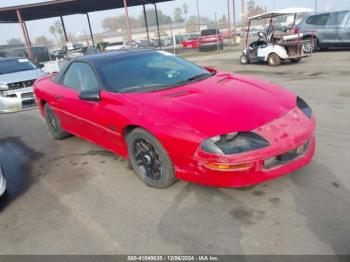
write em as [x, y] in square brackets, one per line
[16, 100]
[292, 146]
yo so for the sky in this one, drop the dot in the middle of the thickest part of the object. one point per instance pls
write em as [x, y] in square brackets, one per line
[77, 24]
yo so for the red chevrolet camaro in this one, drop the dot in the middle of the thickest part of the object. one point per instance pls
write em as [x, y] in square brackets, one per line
[174, 119]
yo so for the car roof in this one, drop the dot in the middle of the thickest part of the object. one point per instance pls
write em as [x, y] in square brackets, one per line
[329, 12]
[93, 58]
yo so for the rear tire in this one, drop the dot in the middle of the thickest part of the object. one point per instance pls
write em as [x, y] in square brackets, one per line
[274, 60]
[54, 124]
[149, 159]
[244, 60]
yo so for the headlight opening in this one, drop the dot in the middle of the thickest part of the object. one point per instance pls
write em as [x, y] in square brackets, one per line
[234, 143]
[303, 106]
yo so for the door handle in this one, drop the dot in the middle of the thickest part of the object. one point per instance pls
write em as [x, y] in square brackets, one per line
[58, 97]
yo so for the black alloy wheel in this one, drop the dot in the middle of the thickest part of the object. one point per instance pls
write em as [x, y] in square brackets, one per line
[149, 159]
[53, 123]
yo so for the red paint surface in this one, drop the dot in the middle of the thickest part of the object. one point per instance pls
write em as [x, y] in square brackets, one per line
[211, 39]
[182, 117]
[190, 43]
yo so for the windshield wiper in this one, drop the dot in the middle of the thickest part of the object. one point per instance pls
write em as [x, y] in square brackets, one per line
[150, 87]
[198, 77]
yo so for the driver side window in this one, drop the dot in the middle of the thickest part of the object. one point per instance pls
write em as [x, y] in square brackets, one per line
[80, 77]
[348, 22]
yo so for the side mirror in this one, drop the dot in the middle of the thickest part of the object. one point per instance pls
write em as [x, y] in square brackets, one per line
[41, 65]
[90, 95]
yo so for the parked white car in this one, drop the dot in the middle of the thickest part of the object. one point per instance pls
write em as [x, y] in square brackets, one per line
[2, 182]
[116, 46]
[17, 76]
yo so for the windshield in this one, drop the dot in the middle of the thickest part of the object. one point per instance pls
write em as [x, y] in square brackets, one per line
[210, 32]
[192, 37]
[114, 44]
[148, 71]
[16, 65]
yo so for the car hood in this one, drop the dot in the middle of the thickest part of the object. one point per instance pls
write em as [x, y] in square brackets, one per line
[21, 76]
[221, 104]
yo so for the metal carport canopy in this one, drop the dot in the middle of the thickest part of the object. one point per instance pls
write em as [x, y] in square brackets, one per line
[58, 8]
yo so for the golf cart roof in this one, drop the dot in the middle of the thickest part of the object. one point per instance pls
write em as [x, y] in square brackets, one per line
[281, 12]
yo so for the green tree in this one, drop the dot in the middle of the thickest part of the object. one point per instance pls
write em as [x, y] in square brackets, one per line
[254, 9]
[192, 23]
[115, 23]
[14, 41]
[43, 41]
[151, 18]
[185, 10]
[222, 22]
[57, 30]
[110, 24]
[178, 15]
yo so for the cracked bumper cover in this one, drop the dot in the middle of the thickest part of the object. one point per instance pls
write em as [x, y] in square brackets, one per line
[285, 134]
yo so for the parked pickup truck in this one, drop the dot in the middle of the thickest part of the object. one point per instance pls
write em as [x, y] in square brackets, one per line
[211, 39]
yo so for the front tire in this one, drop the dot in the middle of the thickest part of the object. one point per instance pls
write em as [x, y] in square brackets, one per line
[274, 60]
[149, 159]
[311, 45]
[54, 124]
[244, 60]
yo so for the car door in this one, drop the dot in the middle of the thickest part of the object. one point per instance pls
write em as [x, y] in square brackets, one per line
[326, 33]
[85, 117]
[333, 34]
[345, 31]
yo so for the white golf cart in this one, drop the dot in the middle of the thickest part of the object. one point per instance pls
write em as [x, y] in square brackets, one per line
[274, 46]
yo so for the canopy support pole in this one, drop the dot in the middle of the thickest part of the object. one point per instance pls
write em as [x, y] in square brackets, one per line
[156, 10]
[64, 29]
[234, 21]
[26, 37]
[26, 29]
[91, 34]
[229, 21]
[146, 23]
[198, 17]
[247, 36]
[243, 16]
[127, 22]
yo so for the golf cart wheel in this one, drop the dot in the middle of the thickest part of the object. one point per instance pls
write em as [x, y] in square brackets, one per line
[274, 60]
[244, 59]
[311, 45]
[149, 159]
[54, 124]
[295, 60]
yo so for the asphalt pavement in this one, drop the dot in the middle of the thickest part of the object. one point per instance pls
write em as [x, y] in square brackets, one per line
[72, 197]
